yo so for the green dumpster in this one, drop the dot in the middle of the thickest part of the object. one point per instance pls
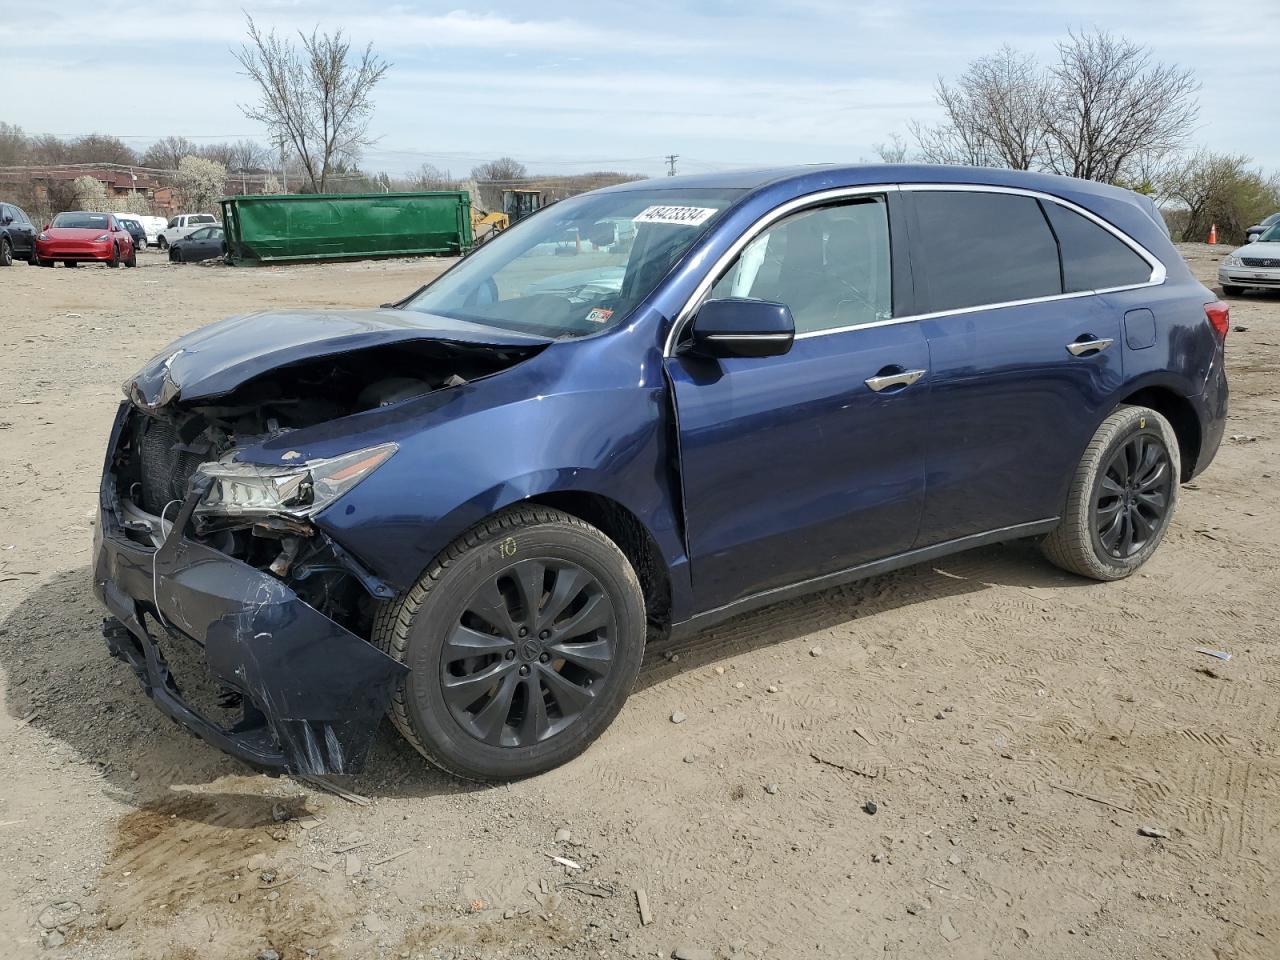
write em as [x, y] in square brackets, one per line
[282, 228]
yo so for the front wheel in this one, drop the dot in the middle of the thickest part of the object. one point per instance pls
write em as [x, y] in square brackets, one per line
[133, 258]
[1231, 290]
[1121, 499]
[6, 252]
[115, 258]
[523, 640]
[163, 244]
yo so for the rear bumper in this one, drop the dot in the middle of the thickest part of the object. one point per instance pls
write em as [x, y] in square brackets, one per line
[1211, 410]
[312, 693]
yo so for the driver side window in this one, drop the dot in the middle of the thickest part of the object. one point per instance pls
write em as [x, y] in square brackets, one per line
[829, 265]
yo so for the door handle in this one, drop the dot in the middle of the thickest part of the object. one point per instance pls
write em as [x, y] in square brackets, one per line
[883, 381]
[1091, 345]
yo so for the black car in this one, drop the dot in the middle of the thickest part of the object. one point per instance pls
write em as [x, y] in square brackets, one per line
[17, 235]
[1261, 227]
[204, 244]
[136, 230]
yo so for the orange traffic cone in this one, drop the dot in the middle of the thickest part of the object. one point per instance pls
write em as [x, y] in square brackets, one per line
[1213, 233]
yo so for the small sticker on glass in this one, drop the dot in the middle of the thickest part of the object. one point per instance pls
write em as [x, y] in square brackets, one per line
[682, 216]
[599, 315]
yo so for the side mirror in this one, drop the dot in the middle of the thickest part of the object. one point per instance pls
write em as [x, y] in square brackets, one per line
[1253, 237]
[742, 328]
[46, 227]
[8, 220]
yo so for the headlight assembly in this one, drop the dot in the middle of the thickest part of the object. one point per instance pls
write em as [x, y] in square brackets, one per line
[1231, 260]
[253, 490]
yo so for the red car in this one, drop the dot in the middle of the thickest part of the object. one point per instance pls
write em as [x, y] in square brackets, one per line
[80, 236]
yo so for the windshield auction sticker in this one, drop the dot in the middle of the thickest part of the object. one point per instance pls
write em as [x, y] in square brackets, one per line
[684, 216]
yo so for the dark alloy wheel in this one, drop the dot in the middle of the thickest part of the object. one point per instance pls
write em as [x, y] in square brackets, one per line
[527, 655]
[1122, 496]
[1133, 496]
[522, 638]
[6, 252]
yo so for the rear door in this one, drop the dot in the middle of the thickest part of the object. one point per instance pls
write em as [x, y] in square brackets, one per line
[1023, 363]
[794, 466]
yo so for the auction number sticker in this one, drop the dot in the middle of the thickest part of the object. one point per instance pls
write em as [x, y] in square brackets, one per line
[684, 216]
[599, 315]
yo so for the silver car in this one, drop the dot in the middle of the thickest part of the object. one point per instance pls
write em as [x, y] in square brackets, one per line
[1256, 264]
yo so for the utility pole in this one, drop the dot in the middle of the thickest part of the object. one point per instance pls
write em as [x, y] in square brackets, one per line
[671, 163]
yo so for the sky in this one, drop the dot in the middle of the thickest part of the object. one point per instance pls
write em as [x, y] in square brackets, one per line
[574, 85]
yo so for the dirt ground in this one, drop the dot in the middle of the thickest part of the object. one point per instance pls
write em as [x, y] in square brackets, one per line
[1014, 726]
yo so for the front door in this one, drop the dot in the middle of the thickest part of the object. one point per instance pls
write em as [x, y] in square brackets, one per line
[795, 466]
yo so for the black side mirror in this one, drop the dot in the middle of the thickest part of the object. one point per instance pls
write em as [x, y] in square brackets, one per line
[8, 220]
[742, 328]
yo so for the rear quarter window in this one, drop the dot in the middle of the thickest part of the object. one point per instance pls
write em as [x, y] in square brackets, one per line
[984, 248]
[1093, 258]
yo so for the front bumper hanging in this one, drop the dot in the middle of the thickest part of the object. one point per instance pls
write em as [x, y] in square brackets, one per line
[313, 693]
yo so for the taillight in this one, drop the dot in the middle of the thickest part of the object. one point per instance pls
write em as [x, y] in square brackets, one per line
[1219, 316]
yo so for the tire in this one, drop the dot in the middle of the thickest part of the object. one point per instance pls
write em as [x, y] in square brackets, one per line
[6, 252]
[70, 264]
[1143, 504]
[163, 244]
[133, 258]
[115, 257]
[1231, 290]
[175, 255]
[45, 263]
[483, 569]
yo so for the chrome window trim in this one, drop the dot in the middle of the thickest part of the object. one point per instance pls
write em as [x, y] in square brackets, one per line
[1158, 270]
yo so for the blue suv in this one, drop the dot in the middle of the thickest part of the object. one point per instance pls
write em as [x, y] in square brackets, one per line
[639, 412]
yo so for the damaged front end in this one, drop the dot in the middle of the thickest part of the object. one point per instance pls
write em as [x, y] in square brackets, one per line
[244, 620]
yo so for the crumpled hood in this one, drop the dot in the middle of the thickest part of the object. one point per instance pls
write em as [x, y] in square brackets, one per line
[218, 358]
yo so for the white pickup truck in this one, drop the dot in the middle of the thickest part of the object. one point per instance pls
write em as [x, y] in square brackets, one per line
[182, 225]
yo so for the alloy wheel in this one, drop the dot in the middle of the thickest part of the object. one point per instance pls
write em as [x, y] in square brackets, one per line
[1132, 500]
[528, 654]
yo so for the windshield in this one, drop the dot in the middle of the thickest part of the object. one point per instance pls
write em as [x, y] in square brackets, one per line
[1271, 234]
[201, 218]
[81, 221]
[578, 267]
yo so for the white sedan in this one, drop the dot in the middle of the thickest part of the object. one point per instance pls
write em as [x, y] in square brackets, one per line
[1256, 264]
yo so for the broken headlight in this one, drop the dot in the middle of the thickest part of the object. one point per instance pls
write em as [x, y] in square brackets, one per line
[255, 490]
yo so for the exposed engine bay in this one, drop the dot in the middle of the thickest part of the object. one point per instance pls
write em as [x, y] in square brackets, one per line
[160, 450]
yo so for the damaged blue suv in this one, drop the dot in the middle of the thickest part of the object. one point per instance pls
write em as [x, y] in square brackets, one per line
[636, 413]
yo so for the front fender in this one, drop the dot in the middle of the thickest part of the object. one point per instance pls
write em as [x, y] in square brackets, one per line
[454, 473]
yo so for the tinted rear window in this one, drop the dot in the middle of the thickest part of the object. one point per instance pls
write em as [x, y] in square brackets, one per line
[981, 248]
[1093, 258]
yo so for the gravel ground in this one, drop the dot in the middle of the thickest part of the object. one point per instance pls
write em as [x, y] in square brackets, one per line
[1015, 731]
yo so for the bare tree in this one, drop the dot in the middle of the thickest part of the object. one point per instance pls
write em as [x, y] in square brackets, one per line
[431, 177]
[994, 114]
[167, 153]
[14, 147]
[492, 177]
[1111, 104]
[895, 151]
[317, 98]
[1220, 189]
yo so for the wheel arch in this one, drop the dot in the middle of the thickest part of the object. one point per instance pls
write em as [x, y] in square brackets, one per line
[633, 538]
[1180, 413]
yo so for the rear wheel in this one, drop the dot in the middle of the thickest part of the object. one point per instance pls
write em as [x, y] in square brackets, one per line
[1231, 290]
[1122, 497]
[523, 639]
[163, 244]
[6, 252]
